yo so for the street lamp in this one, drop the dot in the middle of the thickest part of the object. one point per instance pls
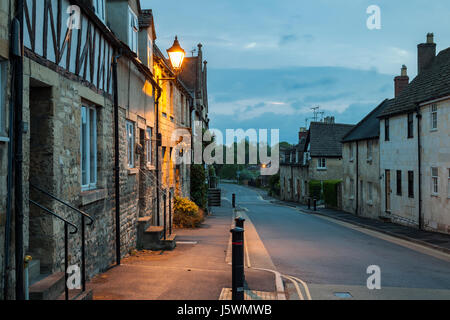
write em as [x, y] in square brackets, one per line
[176, 55]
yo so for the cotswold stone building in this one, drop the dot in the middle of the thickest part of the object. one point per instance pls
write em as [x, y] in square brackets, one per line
[415, 146]
[95, 145]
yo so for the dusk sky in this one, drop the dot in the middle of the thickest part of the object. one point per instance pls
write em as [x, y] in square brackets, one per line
[270, 62]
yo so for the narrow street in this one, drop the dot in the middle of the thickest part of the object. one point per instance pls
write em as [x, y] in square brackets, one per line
[333, 258]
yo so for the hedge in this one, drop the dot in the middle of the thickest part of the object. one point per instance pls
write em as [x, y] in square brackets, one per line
[315, 189]
[330, 192]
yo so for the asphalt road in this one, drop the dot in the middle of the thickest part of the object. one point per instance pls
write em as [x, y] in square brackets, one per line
[324, 253]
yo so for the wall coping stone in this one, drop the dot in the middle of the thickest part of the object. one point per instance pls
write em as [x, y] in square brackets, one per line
[88, 197]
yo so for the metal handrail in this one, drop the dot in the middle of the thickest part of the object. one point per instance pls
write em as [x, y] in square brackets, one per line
[66, 242]
[83, 231]
[65, 203]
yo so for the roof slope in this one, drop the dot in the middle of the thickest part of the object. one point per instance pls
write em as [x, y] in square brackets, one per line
[369, 127]
[431, 84]
[325, 138]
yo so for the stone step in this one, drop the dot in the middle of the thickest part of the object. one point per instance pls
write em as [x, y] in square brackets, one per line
[34, 270]
[169, 243]
[143, 225]
[49, 288]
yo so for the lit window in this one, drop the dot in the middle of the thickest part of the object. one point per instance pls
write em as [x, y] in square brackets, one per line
[148, 145]
[434, 181]
[99, 8]
[88, 148]
[130, 144]
[133, 30]
[322, 163]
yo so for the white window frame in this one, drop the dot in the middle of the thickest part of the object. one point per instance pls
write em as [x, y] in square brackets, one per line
[322, 163]
[91, 138]
[434, 181]
[149, 145]
[99, 9]
[131, 136]
[434, 117]
[133, 30]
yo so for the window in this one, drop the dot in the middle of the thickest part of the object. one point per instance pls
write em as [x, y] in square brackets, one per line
[351, 152]
[399, 183]
[133, 31]
[369, 150]
[411, 184]
[370, 192]
[434, 117]
[148, 145]
[352, 189]
[164, 154]
[435, 181]
[88, 148]
[99, 8]
[386, 129]
[130, 144]
[410, 125]
[149, 52]
[2, 97]
[322, 163]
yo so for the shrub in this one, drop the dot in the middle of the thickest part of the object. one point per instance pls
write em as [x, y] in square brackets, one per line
[274, 185]
[199, 187]
[330, 192]
[315, 189]
[187, 214]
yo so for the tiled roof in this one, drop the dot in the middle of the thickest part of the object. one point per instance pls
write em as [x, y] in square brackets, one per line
[369, 127]
[431, 84]
[189, 72]
[325, 138]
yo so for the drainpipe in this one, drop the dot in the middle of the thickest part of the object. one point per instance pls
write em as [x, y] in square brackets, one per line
[419, 161]
[19, 128]
[357, 178]
[158, 144]
[116, 155]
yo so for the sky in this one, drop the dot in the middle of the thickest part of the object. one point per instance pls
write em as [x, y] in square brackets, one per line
[270, 62]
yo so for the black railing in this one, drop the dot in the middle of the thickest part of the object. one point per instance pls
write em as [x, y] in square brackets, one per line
[66, 241]
[83, 215]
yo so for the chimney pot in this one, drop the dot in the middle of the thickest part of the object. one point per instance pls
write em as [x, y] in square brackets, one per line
[430, 38]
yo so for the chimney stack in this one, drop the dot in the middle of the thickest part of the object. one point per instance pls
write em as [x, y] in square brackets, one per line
[329, 120]
[401, 82]
[426, 53]
[302, 134]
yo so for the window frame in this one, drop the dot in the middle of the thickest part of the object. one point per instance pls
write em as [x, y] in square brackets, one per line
[434, 117]
[319, 163]
[386, 130]
[149, 146]
[410, 125]
[86, 112]
[434, 181]
[131, 163]
[351, 152]
[369, 192]
[369, 150]
[133, 30]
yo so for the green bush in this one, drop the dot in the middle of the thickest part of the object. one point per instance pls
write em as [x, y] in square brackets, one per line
[199, 188]
[330, 192]
[187, 214]
[274, 185]
[315, 189]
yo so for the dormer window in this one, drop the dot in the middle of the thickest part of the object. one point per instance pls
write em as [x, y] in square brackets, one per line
[133, 30]
[99, 8]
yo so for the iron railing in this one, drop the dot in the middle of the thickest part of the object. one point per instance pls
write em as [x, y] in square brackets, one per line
[83, 215]
[66, 241]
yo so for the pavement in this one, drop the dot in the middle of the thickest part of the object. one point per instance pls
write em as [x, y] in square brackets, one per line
[329, 258]
[196, 270]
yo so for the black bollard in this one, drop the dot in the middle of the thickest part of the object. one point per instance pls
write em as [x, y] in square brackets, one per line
[309, 203]
[234, 200]
[315, 204]
[237, 269]
[239, 222]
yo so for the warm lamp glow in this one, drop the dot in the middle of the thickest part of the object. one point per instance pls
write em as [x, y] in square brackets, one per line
[176, 55]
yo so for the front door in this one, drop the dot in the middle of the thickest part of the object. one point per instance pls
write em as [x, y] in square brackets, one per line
[388, 190]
